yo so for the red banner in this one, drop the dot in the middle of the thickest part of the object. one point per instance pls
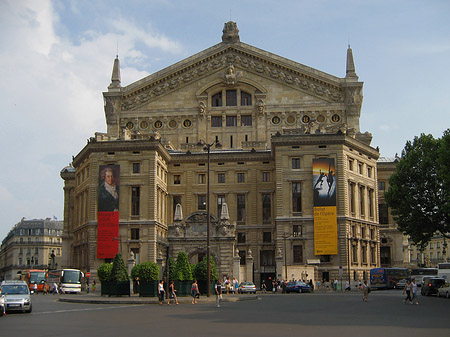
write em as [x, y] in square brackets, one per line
[107, 234]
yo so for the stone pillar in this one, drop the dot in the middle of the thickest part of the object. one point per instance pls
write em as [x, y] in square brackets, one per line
[249, 267]
[236, 264]
[279, 261]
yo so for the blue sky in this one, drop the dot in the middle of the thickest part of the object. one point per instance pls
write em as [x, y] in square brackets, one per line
[56, 59]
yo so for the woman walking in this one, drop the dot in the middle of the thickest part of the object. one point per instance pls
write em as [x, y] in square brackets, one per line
[172, 293]
[407, 290]
[194, 292]
[161, 292]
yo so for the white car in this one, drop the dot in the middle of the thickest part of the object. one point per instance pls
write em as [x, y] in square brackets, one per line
[444, 291]
[16, 296]
[2, 305]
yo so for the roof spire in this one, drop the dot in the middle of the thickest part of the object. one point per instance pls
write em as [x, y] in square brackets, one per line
[115, 78]
[351, 73]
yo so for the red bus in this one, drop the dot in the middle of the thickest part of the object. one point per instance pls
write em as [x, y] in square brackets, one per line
[34, 276]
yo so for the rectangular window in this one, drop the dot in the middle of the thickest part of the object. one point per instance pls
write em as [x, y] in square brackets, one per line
[267, 207]
[296, 197]
[220, 202]
[241, 237]
[134, 233]
[295, 163]
[364, 254]
[135, 200]
[231, 98]
[350, 164]
[267, 258]
[266, 177]
[241, 177]
[381, 185]
[246, 99]
[243, 256]
[136, 167]
[297, 253]
[354, 254]
[351, 187]
[221, 178]
[201, 202]
[246, 120]
[202, 178]
[267, 237]
[372, 255]
[231, 120]
[240, 207]
[369, 171]
[216, 100]
[362, 200]
[176, 179]
[216, 121]
[296, 231]
[360, 168]
[371, 203]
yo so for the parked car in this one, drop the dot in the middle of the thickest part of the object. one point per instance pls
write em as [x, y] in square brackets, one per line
[431, 285]
[16, 296]
[298, 286]
[247, 287]
[401, 284]
[444, 291]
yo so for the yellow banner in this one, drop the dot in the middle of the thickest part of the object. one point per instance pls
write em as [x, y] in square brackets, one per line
[325, 230]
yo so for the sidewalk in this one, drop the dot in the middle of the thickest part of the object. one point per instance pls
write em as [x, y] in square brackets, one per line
[96, 298]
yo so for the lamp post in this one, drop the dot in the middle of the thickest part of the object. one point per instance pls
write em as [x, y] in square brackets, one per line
[348, 256]
[207, 147]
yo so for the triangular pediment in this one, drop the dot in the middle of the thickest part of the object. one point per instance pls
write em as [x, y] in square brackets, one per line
[245, 59]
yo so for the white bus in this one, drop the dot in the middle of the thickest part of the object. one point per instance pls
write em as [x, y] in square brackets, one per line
[444, 270]
[68, 280]
[420, 273]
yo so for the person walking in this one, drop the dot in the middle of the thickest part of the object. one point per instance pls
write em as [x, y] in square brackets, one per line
[414, 291]
[172, 293]
[407, 290]
[94, 285]
[218, 288]
[161, 292]
[365, 290]
[194, 292]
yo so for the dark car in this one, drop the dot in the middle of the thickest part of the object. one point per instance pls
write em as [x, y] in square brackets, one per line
[298, 286]
[431, 285]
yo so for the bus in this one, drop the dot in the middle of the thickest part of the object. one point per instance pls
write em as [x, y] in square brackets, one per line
[32, 277]
[387, 278]
[420, 273]
[444, 271]
[68, 280]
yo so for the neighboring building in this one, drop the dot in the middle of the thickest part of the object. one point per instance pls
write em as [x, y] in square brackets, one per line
[30, 245]
[395, 248]
[276, 120]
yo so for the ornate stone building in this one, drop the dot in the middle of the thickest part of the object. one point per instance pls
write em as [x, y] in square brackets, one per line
[30, 245]
[273, 117]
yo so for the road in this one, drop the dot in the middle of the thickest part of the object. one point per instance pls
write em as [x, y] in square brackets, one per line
[318, 314]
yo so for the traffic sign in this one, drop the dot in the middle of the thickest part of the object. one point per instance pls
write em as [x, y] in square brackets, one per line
[88, 274]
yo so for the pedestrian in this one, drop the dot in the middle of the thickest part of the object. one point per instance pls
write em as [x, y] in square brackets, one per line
[335, 284]
[172, 293]
[55, 288]
[194, 292]
[161, 291]
[94, 285]
[218, 288]
[414, 291]
[347, 286]
[35, 288]
[365, 290]
[407, 290]
[264, 287]
[45, 288]
[236, 285]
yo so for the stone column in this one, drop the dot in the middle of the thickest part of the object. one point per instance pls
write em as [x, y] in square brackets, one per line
[159, 261]
[249, 267]
[279, 261]
[236, 264]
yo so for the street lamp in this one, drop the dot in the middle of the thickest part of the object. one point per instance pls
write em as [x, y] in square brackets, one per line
[348, 255]
[207, 147]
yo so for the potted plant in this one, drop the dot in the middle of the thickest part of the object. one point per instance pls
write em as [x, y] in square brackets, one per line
[183, 275]
[104, 275]
[201, 272]
[119, 281]
[148, 273]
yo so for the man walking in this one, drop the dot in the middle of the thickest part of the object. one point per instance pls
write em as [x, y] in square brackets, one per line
[218, 288]
[414, 291]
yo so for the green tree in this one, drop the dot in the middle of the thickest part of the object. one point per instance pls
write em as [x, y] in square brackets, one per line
[104, 272]
[146, 271]
[119, 270]
[201, 270]
[183, 270]
[417, 192]
[172, 269]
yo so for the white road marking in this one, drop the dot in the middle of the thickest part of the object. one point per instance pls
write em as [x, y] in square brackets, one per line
[85, 309]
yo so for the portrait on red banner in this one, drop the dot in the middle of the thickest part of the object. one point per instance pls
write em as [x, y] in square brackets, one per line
[108, 189]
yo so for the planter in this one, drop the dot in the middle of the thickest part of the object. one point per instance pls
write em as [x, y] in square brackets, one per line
[113, 288]
[202, 286]
[183, 288]
[148, 289]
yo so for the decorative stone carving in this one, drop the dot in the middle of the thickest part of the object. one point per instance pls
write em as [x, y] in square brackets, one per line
[202, 108]
[261, 106]
[230, 32]
[231, 76]
[279, 253]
